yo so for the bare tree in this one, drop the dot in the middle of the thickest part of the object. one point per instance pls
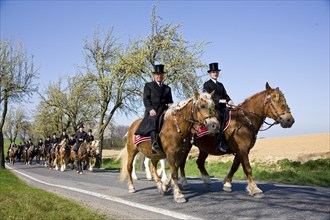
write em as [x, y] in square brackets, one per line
[17, 75]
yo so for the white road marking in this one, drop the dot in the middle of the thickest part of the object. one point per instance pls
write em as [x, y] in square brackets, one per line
[113, 199]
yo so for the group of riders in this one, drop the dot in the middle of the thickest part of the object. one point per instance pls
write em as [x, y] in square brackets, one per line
[51, 144]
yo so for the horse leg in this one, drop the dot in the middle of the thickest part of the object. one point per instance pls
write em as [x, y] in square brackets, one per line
[146, 165]
[229, 177]
[157, 179]
[134, 176]
[252, 187]
[162, 170]
[183, 180]
[201, 166]
[130, 158]
[178, 196]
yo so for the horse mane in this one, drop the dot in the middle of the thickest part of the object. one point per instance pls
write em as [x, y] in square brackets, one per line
[181, 104]
[250, 99]
[176, 107]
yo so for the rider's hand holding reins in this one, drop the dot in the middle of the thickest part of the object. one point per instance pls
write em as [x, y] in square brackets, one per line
[152, 112]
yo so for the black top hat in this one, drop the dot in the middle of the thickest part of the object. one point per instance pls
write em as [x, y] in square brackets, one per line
[81, 126]
[90, 130]
[213, 67]
[159, 68]
[63, 130]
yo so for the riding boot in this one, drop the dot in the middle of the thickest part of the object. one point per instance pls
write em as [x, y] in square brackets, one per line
[154, 143]
[220, 144]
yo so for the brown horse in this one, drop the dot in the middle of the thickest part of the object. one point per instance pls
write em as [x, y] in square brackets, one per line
[63, 155]
[246, 121]
[180, 123]
[93, 152]
[12, 154]
[81, 158]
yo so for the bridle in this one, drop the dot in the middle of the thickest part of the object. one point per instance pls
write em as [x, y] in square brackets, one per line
[275, 115]
[195, 109]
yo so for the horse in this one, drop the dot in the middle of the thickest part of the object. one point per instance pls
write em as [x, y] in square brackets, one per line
[180, 122]
[63, 155]
[161, 171]
[12, 153]
[29, 154]
[51, 155]
[82, 157]
[41, 154]
[241, 134]
[93, 152]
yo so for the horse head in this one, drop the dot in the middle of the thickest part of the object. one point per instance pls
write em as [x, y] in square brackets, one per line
[277, 108]
[204, 108]
[95, 147]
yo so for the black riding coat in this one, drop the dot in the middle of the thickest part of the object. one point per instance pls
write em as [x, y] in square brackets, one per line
[89, 138]
[80, 137]
[157, 98]
[219, 93]
[64, 136]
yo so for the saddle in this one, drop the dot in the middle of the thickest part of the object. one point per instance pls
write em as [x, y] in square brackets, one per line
[140, 138]
[202, 131]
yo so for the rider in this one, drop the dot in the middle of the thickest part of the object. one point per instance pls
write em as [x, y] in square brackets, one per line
[90, 136]
[72, 141]
[156, 98]
[80, 137]
[53, 141]
[64, 135]
[220, 99]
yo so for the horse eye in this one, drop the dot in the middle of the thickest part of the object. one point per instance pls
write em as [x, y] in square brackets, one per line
[202, 106]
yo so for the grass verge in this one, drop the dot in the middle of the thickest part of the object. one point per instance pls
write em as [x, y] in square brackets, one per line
[21, 201]
[311, 173]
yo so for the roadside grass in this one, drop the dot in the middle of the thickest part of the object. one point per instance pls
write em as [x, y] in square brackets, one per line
[18, 200]
[311, 173]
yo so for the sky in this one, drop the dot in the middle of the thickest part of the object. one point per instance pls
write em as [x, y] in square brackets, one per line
[284, 43]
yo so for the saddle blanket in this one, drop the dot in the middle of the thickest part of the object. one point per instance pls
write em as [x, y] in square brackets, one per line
[201, 131]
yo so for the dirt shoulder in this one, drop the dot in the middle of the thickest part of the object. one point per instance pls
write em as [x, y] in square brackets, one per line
[295, 148]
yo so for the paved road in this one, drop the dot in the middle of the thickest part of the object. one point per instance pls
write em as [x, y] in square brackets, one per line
[101, 190]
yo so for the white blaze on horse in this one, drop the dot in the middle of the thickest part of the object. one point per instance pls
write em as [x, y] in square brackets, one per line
[241, 134]
[161, 171]
[180, 123]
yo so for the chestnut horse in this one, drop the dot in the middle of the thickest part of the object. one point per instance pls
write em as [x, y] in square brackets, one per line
[63, 155]
[180, 123]
[93, 152]
[241, 134]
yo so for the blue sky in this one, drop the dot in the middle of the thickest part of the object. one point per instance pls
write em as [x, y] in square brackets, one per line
[285, 43]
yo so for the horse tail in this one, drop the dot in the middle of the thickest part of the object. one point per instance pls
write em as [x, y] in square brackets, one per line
[123, 160]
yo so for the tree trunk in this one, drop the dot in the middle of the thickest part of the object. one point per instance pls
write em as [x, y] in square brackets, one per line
[2, 153]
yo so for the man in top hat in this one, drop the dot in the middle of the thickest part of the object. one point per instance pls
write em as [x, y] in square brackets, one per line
[220, 99]
[156, 97]
[90, 136]
[64, 135]
[80, 136]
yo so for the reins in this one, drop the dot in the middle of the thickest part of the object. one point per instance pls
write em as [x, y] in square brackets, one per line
[273, 111]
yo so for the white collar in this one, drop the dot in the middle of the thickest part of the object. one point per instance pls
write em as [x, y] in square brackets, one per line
[215, 81]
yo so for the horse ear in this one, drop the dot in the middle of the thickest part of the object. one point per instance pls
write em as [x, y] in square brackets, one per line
[268, 88]
[196, 94]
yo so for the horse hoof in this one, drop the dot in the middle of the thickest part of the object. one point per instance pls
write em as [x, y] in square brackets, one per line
[180, 200]
[80, 172]
[258, 195]
[132, 190]
[226, 189]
